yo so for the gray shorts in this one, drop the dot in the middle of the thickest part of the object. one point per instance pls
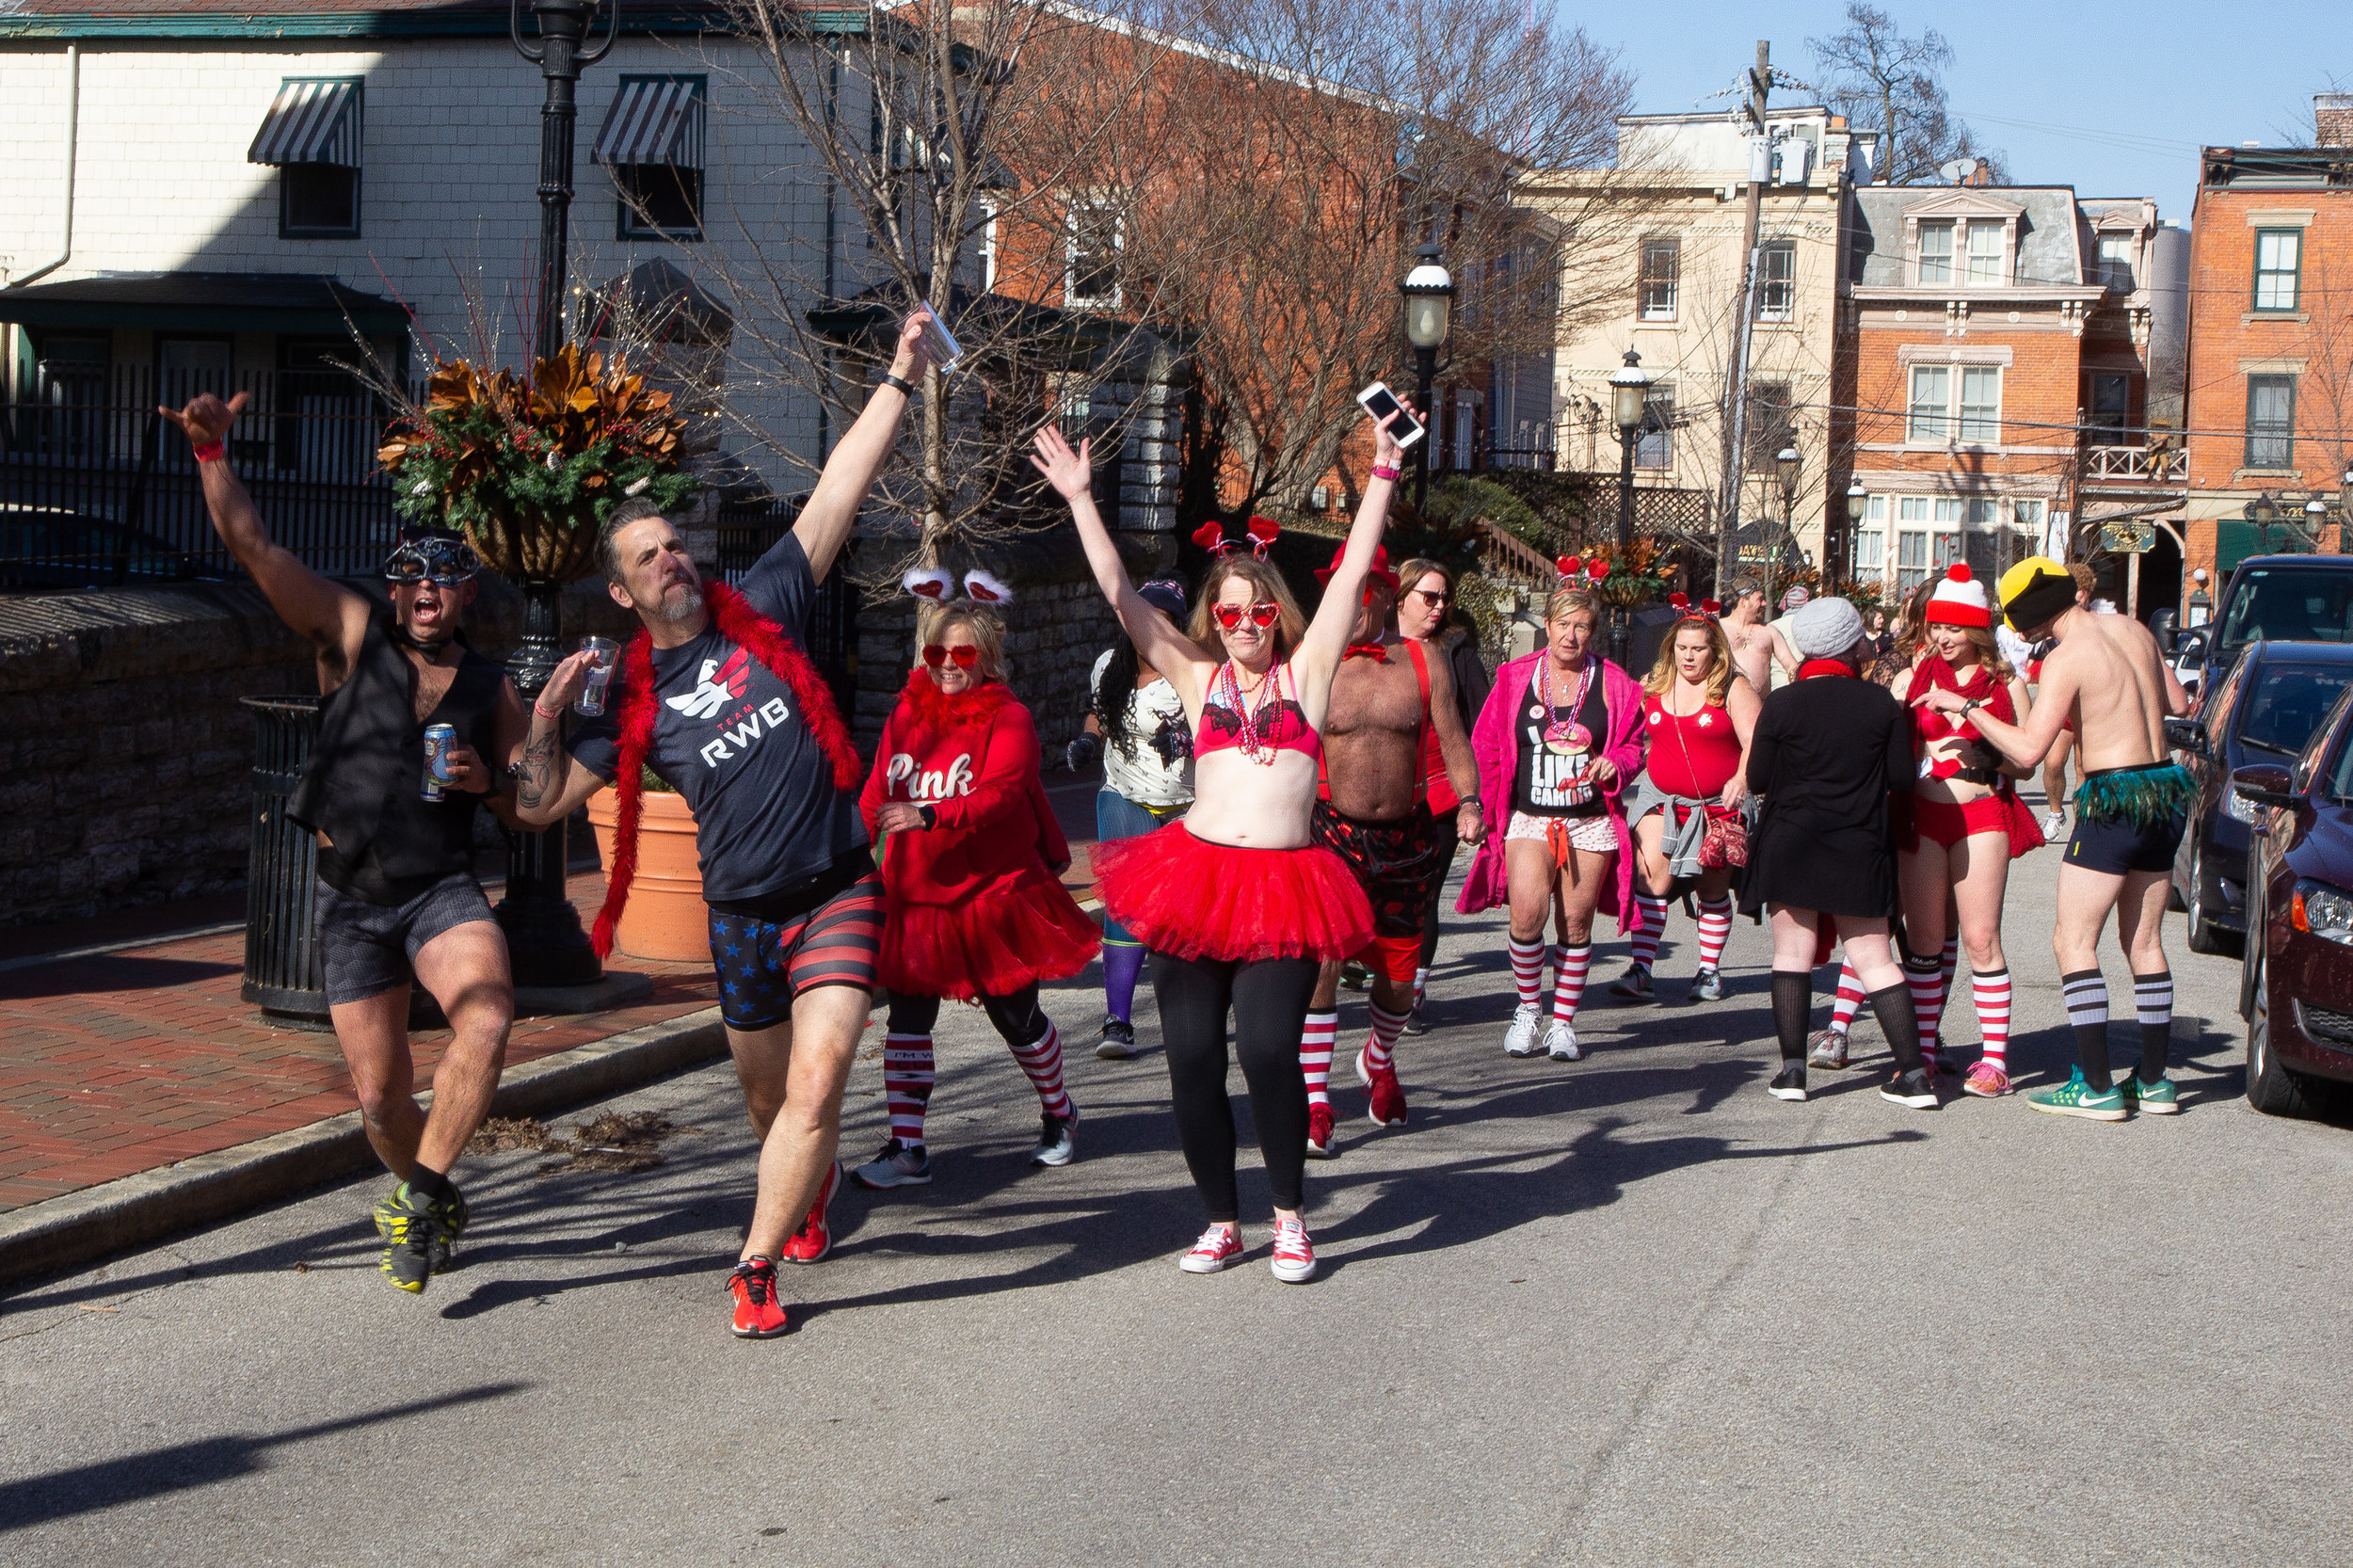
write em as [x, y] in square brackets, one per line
[369, 949]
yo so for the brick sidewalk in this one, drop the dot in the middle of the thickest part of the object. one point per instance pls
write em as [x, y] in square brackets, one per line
[126, 1060]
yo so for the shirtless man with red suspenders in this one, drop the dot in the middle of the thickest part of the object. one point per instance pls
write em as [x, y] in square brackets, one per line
[1372, 811]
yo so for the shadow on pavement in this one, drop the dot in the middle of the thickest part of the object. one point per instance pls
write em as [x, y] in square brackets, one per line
[76, 976]
[135, 1478]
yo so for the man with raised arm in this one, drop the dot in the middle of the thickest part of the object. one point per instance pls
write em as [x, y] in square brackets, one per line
[2106, 680]
[715, 695]
[397, 903]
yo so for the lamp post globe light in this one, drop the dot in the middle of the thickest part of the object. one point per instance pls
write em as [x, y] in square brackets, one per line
[1858, 502]
[1629, 390]
[2263, 513]
[1429, 291]
[1786, 465]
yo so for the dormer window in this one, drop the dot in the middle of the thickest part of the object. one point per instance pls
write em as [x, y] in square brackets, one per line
[1936, 252]
[1963, 238]
[1985, 253]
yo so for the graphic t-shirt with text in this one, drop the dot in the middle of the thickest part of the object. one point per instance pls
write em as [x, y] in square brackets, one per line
[1549, 777]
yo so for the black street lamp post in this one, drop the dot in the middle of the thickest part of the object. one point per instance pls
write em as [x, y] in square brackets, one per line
[544, 935]
[1429, 291]
[1784, 469]
[1858, 500]
[1629, 387]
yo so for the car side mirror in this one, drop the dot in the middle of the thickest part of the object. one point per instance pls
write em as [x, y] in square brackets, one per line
[2186, 734]
[2264, 784]
[2162, 625]
[2190, 646]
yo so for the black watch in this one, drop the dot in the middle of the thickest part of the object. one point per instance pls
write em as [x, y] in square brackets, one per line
[901, 382]
[931, 816]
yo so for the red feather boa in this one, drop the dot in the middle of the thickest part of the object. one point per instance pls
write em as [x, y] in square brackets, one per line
[936, 709]
[766, 642]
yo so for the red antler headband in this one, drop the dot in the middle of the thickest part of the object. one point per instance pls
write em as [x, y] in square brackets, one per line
[1212, 538]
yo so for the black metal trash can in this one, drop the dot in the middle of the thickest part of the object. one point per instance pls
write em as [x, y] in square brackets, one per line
[281, 958]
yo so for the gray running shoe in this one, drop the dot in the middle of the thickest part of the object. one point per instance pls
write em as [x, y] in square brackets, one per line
[895, 1164]
[1830, 1048]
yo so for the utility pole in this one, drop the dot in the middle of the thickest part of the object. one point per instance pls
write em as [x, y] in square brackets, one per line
[1737, 363]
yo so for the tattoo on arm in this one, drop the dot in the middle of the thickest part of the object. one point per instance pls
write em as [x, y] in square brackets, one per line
[532, 773]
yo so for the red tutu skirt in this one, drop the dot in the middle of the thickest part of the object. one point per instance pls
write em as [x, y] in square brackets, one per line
[1193, 898]
[990, 945]
[1916, 818]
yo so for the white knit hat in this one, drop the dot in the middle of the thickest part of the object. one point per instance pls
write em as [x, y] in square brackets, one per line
[1959, 600]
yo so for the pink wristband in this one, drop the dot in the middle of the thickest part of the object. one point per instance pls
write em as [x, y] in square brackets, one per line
[1391, 475]
[212, 452]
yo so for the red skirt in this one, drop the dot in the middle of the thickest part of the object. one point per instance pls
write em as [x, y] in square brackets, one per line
[991, 945]
[1949, 825]
[1194, 899]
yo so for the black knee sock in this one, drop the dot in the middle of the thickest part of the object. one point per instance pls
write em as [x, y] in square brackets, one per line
[2153, 997]
[2088, 1014]
[432, 1186]
[1793, 1009]
[1891, 1006]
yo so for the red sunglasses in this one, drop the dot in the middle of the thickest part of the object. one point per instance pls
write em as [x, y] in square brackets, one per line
[1261, 615]
[965, 655]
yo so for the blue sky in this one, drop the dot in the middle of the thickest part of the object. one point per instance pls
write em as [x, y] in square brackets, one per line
[2115, 100]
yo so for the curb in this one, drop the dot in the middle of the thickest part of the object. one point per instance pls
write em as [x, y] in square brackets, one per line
[79, 1227]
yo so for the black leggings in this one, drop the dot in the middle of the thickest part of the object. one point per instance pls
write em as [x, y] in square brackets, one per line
[1268, 997]
[1017, 1017]
[1449, 840]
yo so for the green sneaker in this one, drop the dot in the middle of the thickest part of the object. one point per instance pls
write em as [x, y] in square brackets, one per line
[412, 1235]
[2076, 1097]
[2154, 1099]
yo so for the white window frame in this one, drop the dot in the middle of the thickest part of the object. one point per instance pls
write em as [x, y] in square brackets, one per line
[1085, 207]
[2116, 262]
[1670, 286]
[1787, 309]
[1912, 548]
[1944, 230]
[1976, 421]
[1870, 539]
[1928, 411]
[1941, 412]
[1984, 263]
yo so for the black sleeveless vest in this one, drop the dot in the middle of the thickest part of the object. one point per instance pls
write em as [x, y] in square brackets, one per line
[360, 785]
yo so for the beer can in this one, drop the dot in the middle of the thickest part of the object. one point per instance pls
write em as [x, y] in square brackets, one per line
[439, 738]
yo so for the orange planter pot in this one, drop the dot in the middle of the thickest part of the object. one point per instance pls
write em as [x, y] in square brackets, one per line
[667, 918]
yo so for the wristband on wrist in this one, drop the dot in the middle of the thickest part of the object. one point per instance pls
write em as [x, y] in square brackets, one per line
[892, 380]
[543, 712]
[1381, 471]
[213, 452]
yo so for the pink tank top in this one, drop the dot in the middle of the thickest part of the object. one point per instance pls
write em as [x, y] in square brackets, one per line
[1231, 720]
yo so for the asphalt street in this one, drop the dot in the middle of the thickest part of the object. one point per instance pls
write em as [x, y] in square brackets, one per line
[1627, 1310]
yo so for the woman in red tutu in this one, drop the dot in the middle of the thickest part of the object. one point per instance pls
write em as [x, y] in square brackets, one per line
[972, 895]
[1239, 908]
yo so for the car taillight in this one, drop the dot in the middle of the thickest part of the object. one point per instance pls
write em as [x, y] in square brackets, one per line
[2322, 911]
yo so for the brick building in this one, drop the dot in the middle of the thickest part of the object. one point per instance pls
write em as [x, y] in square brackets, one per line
[1994, 336]
[2272, 341]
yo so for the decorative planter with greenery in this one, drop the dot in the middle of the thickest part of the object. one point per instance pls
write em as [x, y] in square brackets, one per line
[667, 918]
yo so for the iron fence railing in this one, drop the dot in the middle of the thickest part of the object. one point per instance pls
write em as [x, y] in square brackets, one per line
[747, 531]
[97, 487]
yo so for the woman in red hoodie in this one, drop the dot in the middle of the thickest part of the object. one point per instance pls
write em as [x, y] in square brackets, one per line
[973, 900]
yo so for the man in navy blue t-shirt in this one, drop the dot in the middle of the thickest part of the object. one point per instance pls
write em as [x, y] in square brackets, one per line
[741, 727]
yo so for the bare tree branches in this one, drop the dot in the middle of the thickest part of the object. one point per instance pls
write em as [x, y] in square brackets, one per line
[1876, 76]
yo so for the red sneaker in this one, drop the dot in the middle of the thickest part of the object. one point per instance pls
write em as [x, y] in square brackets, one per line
[1387, 1106]
[758, 1315]
[1218, 1248]
[1320, 1131]
[813, 1241]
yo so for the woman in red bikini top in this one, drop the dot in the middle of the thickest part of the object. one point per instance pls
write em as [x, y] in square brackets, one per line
[1966, 822]
[1239, 908]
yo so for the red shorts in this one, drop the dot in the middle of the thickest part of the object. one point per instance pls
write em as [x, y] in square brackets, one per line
[1398, 958]
[1949, 823]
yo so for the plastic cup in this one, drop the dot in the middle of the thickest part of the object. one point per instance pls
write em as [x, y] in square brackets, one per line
[606, 652]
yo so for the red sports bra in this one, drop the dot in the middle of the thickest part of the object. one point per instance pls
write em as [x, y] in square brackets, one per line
[1930, 724]
[1230, 721]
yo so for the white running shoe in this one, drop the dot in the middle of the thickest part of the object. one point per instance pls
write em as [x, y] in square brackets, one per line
[1561, 1041]
[1520, 1039]
[2053, 824]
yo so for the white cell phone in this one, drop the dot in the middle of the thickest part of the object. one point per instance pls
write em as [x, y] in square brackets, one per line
[1380, 403]
[938, 342]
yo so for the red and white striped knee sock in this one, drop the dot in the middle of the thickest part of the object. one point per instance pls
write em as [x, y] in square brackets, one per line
[1947, 964]
[1381, 1050]
[1646, 936]
[907, 1084]
[1928, 998]
[1042, 1060]
[1715, 930]
[1849, 998]
[1315, 1054]
[1569, 965]
[1992, 993]
[1527, 970]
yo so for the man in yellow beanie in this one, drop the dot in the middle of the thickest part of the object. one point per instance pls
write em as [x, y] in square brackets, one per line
[2106, 681]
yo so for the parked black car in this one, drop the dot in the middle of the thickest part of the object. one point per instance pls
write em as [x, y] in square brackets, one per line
[2280, 598]
[2268, 709]
[2296, 980]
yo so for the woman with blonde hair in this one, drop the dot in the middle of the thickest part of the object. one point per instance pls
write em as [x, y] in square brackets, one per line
[1698, 715]
[1966, 823]
[1557, 742]
[974, 903]
[1237, 904]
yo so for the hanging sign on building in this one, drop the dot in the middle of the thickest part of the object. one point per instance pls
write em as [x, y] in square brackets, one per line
[2132, 536]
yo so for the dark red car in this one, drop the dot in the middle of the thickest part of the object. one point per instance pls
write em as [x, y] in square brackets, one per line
[2296, 984]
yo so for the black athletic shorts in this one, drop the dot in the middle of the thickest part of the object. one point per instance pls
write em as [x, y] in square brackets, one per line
[769, 952]
[2121, 845]
[369, 949]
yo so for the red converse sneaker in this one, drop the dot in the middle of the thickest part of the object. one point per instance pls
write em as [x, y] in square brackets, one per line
[1320, 1131]
[813, 1241]
[1388, 1103]
[753, 1285]
[1220, 1247]
[1294, 1259]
